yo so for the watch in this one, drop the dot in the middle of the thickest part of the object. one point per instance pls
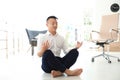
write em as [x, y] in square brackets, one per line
[114, 7]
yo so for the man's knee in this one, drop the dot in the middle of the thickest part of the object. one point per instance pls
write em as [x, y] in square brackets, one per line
[75, 51]
[48, 54]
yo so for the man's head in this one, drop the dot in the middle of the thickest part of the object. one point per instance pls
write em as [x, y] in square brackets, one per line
[51, 23]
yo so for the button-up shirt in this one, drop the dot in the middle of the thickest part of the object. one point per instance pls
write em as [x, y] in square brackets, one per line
[57, 43]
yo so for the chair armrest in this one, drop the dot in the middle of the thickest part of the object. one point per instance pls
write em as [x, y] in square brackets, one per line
[116, 30]
[92, 33]
[95, 31]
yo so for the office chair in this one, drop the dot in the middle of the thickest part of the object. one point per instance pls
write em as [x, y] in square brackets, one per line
[106, 56]
[106, 35]
[32, 37]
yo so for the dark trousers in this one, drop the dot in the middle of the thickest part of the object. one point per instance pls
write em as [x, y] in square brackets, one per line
[51, 62]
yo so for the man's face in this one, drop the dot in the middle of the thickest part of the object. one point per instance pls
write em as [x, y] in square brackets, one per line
[52, 25]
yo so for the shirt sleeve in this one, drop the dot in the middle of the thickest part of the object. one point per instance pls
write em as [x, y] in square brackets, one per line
[39, 41]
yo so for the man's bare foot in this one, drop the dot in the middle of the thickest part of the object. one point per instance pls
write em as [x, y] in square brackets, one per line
[75, 72]
[56, 73]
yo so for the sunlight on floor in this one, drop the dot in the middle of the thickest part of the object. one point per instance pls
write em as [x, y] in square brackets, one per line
[27, 67]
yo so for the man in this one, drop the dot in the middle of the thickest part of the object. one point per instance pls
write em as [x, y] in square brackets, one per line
[50, 46]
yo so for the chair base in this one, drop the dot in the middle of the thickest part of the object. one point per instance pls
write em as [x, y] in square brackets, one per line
[106, 56]
[32, 50]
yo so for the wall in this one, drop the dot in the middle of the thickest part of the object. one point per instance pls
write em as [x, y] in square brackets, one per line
[16, 15]
[103, 8]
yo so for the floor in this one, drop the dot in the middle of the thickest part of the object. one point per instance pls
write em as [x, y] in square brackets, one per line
[27, 67]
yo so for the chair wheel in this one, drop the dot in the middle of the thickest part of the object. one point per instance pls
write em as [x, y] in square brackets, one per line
[118, 60]
[109, 61]
[92, 59]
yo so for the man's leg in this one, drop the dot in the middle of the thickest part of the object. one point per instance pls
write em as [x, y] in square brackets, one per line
[69, 59]
[50, 62]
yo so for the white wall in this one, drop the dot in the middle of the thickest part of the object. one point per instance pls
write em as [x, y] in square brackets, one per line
[103, 8]
[29, 13]
[15, 15]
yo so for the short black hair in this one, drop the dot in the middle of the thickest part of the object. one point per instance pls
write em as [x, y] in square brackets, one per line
[54, 17]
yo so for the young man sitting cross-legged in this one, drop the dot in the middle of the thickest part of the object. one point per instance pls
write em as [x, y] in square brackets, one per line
[50, 46]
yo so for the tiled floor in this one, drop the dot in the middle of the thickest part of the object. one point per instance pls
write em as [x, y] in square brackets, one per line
[27, 67]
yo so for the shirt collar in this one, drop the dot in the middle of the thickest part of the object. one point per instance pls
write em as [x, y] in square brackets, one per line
[51, 34]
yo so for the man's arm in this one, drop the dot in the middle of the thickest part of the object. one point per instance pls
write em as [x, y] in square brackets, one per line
[40, 53]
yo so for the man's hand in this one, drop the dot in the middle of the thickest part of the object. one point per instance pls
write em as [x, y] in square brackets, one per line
[79, 44]
[44, 47]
